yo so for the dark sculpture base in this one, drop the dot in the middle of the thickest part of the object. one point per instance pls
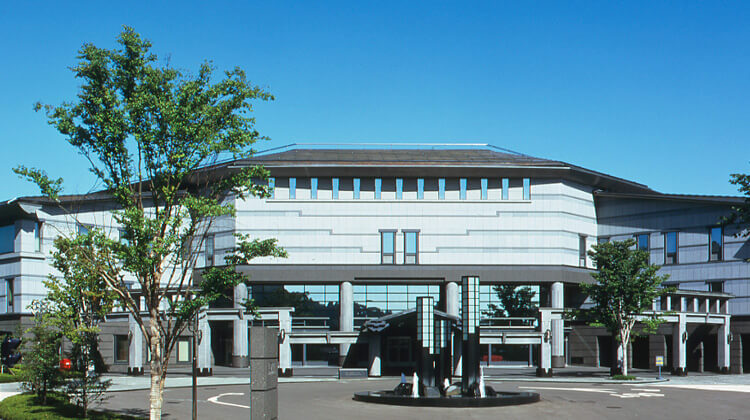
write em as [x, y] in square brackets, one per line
[431, 397]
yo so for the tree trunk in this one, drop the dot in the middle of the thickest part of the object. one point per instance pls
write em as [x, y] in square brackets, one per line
[624, 340]
[157, 384]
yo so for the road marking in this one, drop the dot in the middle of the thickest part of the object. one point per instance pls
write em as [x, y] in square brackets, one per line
[215, 399]
[645, 390]
[610, 392]
[731, 388]
[603, 391]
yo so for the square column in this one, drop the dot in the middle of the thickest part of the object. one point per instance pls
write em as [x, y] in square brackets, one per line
[679, 346]
[545, 348]
[723, 345]
[135, 347]
[240, 340]
[205, 355]
[557, 294]
[346, 316]
[470, 303]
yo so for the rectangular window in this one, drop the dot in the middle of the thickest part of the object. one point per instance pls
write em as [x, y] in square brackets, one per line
[183, 350]
[715, 243]
[83, 230]
[314, 188]
[602, 240]
[7, 238]
[38, 237]
[716, 286]
[642, 242]
[441, 189]
[420, 188]
[356, 188]
[9, 295]
[670, 248]
[526, 189]
[462, 189]
[292, 188]
[505, 186]
[484, 188]
[335, 188]
[122, 348]
[210, 250]
[411, 246]
[399, 188]
[388, 246]
[378, 188]
[582, 250]
[271, 186]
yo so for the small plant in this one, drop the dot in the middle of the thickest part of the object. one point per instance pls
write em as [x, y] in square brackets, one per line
[623, 377]
[40, 374]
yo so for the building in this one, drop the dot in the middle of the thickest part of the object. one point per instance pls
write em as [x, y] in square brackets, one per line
[368, 230]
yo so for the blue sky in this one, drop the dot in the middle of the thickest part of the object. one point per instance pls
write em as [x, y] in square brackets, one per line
[654, 92]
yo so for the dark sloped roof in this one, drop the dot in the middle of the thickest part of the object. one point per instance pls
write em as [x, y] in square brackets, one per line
[399, 157]
[713, 199]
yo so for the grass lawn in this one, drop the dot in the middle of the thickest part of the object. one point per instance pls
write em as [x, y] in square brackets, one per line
[24, 407]
[7, 377]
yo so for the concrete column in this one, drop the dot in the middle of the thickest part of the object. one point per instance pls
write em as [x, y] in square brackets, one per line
[457, 351]
[557, 326]
[205, 355]
[452, 298]
[723, 347]
[285, 346]
[374, 344]
[669, 303]
[346, 316]
[240, 340]
[545, 348]
[135, 348]
[679, 346]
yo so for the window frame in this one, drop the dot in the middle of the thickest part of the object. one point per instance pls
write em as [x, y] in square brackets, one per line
[10, 293]
[38, 236]
[356, 187]
[14, 232]
[637, 237]
[420, 188]
[292, 188]
[484, 185]
[504, 188]
[119, 339]
[313, 188]
[399, 188]
[334, 188]
[383, 254]
[271, 187]
[462, 187]
[407, 254]
[582, 251]
[526, 185]
[721, 244]
[677, 247]
[378, 188]
[212, 240]
[441, 188]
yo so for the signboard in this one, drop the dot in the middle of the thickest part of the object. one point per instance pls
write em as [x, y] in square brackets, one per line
[659, 360]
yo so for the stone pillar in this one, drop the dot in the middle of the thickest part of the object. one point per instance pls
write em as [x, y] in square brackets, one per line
[264, 394]
[346, 316]
[557, 327]
[545, 348]
[374, 344]
[135, 348]
[285, 346]
[205, 355]
[679, 346]
[240, 341]
[723, 344]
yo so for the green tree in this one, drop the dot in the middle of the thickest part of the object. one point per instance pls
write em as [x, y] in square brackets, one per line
[41, 356]
[740, 213]
[150, 133]
[515, 301]
[78, 300]
[626, 286]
